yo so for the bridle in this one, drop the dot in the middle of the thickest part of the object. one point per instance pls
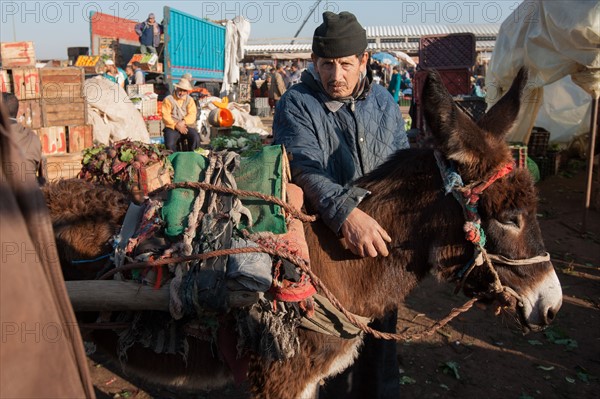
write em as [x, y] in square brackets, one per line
[468, 197]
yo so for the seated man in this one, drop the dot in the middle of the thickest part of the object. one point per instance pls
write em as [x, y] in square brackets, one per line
[179, 116]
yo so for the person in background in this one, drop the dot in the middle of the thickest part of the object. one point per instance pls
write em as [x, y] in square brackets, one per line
[294, 75]
[179, 116]
[149, 33]
[114, 73]
[394, 86]
[130, 76]
[26, 140]
[338, 126]
[139, 77]
[277, 88]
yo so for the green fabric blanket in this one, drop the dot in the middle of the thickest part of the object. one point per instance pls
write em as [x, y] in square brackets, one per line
[261, 172]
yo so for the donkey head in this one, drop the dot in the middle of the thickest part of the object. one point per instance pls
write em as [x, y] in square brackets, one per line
[507, 208]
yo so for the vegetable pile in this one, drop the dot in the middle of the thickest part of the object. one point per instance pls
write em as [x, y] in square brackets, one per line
[120, 164]
[244, 143]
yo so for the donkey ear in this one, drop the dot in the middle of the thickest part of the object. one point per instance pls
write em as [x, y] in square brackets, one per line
[456, 135]
[500, 118]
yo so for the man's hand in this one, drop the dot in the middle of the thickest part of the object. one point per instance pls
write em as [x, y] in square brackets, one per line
[364, 236]
[181, 127]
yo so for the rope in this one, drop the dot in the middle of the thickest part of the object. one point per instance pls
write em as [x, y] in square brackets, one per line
[240, 193]
[76, 262]
[303, 264]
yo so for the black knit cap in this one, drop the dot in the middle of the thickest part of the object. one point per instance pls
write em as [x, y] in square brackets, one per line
[340, 35]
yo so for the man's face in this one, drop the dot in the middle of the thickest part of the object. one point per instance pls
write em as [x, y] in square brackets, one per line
[340, 76]
[181, 93]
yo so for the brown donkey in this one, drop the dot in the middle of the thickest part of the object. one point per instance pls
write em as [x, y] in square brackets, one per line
[427, 225]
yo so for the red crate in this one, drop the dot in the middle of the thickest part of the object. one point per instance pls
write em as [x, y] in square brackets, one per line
[456, 81]
[453, 51]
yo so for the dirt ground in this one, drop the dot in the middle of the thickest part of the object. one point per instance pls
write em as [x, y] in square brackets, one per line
[480, 355]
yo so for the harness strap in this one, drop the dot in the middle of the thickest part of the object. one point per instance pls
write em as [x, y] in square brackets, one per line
[519, 262]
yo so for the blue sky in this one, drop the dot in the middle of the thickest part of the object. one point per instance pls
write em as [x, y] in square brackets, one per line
[55, 25]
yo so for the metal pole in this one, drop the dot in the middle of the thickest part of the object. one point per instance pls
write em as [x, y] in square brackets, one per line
[590, 161]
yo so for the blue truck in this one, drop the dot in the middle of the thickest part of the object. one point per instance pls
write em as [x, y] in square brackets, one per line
[191, 45]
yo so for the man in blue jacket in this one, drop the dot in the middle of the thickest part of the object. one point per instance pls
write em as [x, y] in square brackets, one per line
[149, 33]
[338, 127]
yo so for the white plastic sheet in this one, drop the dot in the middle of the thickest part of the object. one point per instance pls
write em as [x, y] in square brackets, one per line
[552, 39]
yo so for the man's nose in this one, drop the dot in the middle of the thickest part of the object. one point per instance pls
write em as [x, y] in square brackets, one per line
[338, 72]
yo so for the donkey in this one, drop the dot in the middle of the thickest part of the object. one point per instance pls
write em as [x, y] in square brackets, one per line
[427, 226]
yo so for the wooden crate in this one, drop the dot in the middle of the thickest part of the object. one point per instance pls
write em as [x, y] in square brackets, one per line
[157, 176]
[79, 138]
[155, 127]
[26, 83]
[30, 113]
[6, 84]
[63, 114]
[62, 84]
[62, 96]
[54, 140]
[17, 54]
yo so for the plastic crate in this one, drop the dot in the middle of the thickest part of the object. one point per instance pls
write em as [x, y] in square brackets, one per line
[453, 51]
[456, 81]
[260, 102]
[519, 153]
[149, 107]
[473, 106]
[140, 89]
[538, 142]
[548, 165]
[261, 112]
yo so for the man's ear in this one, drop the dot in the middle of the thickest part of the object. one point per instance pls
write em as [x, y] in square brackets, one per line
[363, 60]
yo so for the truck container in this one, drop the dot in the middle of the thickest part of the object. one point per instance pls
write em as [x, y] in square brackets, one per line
[193, 45]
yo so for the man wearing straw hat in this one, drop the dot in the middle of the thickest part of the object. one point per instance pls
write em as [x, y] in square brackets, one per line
[179, 116]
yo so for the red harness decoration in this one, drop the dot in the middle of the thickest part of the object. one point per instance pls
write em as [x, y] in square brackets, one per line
[473, 194]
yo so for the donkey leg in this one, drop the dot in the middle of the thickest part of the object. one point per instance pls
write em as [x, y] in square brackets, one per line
[320, 356]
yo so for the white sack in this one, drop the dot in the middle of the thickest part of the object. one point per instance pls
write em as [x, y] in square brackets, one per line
[111, 112]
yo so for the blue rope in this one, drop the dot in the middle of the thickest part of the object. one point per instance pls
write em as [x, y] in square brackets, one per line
[76, 262]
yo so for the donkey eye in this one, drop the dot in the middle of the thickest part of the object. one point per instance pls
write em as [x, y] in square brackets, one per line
[510, 219]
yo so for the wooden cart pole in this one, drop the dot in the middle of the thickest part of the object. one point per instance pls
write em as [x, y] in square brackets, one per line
[590, 161]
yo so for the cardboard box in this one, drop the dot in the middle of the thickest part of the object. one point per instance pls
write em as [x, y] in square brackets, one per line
[79, 138]
[26, 83]
[54, 140]
[17, 54]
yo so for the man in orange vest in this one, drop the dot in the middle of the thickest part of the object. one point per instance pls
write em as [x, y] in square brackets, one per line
[179, 116]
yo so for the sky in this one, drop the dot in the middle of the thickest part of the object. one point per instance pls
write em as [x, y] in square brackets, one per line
[55, 25]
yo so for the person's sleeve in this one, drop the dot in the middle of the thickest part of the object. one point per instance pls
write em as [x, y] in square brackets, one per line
[138, 29]
[294, 128]
[167, 109]
[190, 118]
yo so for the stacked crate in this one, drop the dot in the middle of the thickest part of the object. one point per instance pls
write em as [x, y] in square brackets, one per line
[51, 100]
